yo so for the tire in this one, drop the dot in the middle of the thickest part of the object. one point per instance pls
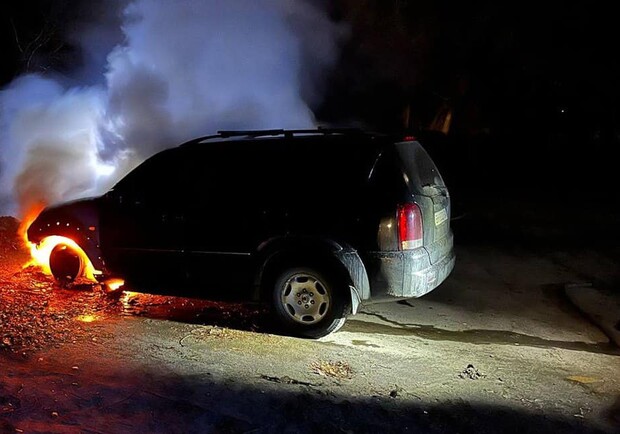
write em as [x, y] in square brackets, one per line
[308, 303]
[66, 264]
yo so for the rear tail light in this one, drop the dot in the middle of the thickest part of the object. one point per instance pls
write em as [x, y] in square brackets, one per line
[410, 232]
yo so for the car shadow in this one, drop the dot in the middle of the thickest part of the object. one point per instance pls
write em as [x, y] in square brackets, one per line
[151, 402]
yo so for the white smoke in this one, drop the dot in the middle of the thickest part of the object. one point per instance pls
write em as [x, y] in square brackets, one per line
[185, 68]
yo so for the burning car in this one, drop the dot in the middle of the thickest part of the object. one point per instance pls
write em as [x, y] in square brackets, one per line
[314, 222]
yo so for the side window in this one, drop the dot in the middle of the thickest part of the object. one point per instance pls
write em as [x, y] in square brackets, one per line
[219, 179]
[161, 178]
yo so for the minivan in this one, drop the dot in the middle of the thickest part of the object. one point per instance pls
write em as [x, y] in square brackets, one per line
[315, 223]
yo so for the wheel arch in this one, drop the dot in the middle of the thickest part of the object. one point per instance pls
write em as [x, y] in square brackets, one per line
[340, 260]
[77, 221]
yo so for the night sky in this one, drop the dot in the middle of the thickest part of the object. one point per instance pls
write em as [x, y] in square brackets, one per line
[531, 85]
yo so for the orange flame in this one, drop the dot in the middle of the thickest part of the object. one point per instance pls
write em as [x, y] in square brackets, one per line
[40, 255]
[29, 216]
[114, 284]
[87, 318]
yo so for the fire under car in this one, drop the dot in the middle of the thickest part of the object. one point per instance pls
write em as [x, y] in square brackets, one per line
[313, 222]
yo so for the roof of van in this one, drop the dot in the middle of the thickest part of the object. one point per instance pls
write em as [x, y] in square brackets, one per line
[281, 133]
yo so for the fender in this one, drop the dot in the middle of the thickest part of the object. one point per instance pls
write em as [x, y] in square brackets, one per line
[78, 220]
[313, 249]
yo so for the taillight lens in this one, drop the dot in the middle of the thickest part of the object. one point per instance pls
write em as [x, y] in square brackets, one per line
[410, 231]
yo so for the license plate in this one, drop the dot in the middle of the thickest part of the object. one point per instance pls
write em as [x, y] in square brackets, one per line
[440, 217]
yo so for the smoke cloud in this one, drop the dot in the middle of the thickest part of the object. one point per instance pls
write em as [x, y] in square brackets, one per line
[179, 69]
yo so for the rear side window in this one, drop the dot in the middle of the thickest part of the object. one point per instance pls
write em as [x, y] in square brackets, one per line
[386, 178]
[324, 167]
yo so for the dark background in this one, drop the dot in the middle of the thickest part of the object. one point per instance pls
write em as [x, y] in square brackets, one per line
[531, 88]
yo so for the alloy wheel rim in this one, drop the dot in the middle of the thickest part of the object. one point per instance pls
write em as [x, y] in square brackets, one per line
[305, 298]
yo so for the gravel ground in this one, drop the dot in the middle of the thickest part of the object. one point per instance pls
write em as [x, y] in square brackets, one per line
[462, 359]
[34, 312]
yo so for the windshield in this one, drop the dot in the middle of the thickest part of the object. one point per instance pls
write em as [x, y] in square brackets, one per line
[420, 170]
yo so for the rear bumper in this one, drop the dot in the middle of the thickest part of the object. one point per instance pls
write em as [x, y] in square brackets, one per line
[408, 274]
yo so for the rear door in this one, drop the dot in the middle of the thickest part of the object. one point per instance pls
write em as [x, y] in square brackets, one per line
[431, 194]
[226, 216]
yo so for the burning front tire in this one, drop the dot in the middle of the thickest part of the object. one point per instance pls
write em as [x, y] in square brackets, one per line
[66, 264]
[308, 303]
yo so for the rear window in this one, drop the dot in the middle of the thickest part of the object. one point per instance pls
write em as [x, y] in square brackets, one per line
[419, 169]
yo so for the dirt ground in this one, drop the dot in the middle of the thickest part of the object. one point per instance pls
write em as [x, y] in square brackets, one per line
[497, 348]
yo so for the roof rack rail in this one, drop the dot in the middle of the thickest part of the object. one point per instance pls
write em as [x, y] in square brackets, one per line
[201, 139]
[250, 133]
[226, 134]
[287, 133]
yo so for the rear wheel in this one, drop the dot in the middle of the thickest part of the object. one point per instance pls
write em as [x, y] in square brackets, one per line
[66, 264]
[309, 303]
